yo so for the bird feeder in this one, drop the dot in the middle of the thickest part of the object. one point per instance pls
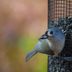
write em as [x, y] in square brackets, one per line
[60, 15]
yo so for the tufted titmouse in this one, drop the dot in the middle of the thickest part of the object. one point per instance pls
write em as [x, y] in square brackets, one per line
[51, 43]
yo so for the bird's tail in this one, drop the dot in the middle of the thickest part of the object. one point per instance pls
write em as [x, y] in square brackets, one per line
[30, 55]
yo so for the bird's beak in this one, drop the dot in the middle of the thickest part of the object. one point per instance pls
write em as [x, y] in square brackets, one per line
[44, 36]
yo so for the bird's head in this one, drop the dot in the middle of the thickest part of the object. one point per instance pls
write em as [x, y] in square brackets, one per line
[53, 33]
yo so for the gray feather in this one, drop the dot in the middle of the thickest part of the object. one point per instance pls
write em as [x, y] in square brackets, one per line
[30, 55]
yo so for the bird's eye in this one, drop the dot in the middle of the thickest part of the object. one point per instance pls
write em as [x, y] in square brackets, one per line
[51, 32]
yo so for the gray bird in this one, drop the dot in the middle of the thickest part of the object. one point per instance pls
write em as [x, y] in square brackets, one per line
[51, 43]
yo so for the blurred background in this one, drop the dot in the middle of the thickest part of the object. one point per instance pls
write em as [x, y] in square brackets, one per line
[22, 22]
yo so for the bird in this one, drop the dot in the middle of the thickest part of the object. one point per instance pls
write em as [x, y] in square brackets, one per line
[50, 43]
